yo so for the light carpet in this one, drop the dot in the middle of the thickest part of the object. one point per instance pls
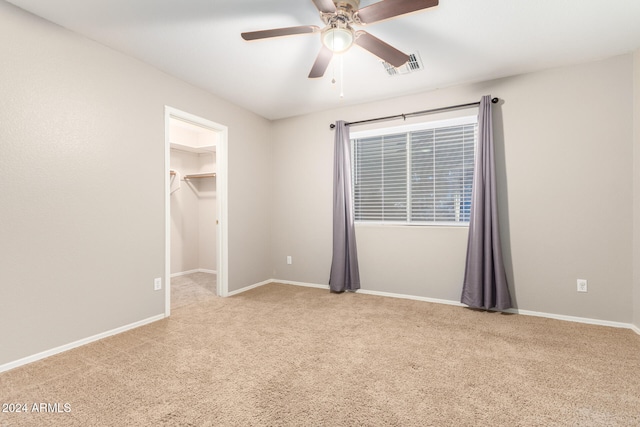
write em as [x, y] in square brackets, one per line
[282, 355]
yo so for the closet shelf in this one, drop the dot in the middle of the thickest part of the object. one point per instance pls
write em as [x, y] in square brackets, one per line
[193, 148]
[200, 175]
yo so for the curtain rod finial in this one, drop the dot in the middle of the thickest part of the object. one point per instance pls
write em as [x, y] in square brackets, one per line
[495, 100]
[332, 126]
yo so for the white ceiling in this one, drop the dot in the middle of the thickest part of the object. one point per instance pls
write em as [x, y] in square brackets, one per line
[459, 41]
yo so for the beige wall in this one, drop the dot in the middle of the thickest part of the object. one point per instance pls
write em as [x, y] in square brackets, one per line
[564, 158]
[82, 171]
[636, 189]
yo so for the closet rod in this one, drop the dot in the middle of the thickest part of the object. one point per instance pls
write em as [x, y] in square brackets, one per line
[415, 113]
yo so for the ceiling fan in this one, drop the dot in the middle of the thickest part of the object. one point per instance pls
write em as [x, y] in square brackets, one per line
[338, 34]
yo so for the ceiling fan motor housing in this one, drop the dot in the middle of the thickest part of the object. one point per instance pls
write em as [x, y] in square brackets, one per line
[347, 4]
[345, 11]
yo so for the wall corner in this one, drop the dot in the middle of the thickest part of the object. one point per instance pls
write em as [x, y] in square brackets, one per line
[636, 189]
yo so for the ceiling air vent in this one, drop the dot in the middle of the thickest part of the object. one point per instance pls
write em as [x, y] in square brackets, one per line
[412, 65]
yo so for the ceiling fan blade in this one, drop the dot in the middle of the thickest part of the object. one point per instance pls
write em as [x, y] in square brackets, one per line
[381, 49]
[321, 64]
[386, 9]
[279, 32]
[325, 6]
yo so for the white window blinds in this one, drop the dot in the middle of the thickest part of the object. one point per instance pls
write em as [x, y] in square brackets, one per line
[416, 176]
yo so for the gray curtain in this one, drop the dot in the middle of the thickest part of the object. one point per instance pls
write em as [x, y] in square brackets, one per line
[485, 283]
[344, 264]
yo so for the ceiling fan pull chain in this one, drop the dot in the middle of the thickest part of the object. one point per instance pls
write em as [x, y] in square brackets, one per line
[341, 76]
[333, 73]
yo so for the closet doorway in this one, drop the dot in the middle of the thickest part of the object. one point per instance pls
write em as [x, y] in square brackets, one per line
[196, 200]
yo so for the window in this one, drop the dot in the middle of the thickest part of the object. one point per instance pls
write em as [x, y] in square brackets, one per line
[418, 174]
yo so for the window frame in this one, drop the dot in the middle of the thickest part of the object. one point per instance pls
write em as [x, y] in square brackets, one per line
[407, 128]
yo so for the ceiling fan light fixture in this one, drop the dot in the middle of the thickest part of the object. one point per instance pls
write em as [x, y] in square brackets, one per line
[338, 39]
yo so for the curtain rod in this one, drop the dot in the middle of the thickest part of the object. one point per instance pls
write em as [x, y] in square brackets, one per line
[415, 113]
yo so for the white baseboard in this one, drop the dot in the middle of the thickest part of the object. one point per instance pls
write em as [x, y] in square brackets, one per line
[459, 304]
[284, 282]
[183, 273]
[197, 270]
[585, 320]
[306, 285]
[411, 297]
[376, 293]
[248, 288]
[84, 341]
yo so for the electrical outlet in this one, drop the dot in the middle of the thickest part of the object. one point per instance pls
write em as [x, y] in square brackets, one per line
[157, 283]
[582, 285]
[289, 260]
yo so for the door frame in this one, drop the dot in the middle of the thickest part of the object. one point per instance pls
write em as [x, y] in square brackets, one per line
[222, 241]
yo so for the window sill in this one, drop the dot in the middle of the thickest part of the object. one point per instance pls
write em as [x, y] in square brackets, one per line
[412, 225]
